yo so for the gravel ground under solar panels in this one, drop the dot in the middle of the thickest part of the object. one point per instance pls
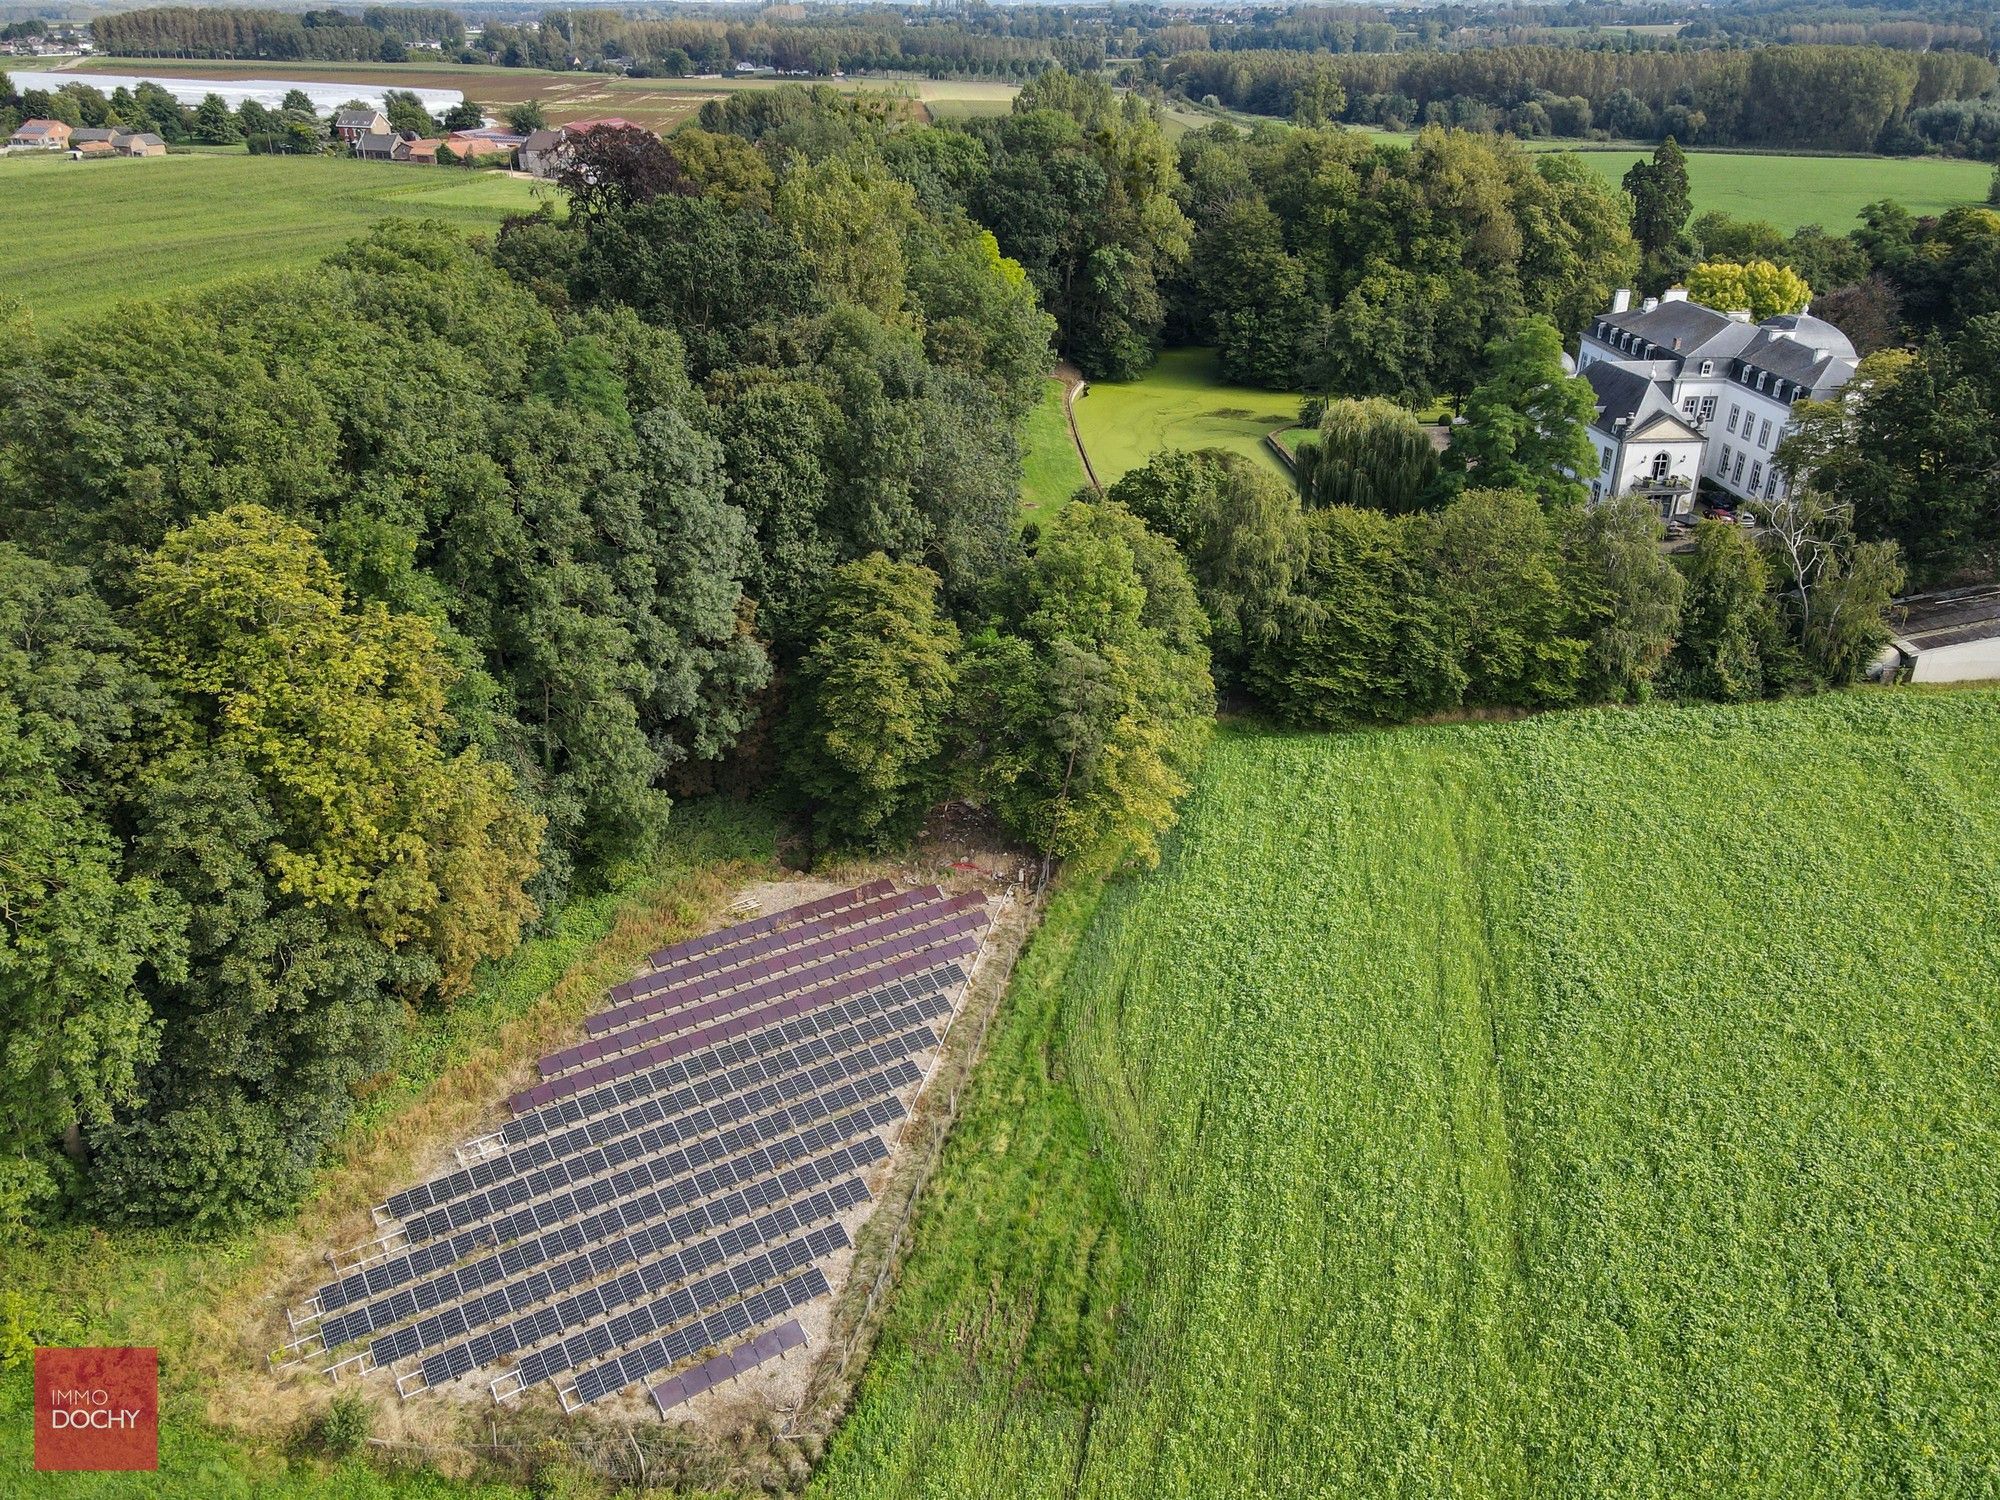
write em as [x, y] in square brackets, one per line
[778, 1382]
[775, 1385]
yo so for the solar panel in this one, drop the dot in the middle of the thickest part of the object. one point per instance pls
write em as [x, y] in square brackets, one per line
[540, 1110]
[633, 1027]
[728, 936]
[612, 1151]
[665, 1194]
[715, 1179]
[719, 1326]
[681, 1045]
[575, 1313]
[657, 992]
[717, 967]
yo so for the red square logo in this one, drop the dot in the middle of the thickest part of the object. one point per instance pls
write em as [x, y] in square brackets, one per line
[97, 1409]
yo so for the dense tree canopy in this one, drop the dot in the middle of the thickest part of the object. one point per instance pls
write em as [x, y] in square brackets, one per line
[1086, 702]
[351, 616]
[1325, 260]
[869, 702]
[1524, 424]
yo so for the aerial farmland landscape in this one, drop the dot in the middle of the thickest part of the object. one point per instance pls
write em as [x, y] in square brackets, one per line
[1024, 751]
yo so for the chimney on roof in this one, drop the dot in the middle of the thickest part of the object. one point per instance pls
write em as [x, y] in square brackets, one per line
[1739, 314]
[1674, 294]
[1649, 304]
[1621, 300]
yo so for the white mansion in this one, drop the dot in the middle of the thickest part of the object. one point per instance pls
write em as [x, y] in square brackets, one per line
[1686, 393]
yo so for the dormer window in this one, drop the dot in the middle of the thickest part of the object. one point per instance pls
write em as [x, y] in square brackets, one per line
[1708, 367]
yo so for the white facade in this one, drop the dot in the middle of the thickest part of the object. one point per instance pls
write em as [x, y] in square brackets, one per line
[1726, 385]
[1661, 458]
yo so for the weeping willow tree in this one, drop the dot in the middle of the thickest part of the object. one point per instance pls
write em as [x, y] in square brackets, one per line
[1370, 453]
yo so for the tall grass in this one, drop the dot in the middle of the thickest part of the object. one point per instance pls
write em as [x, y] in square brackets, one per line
[1600, 1104]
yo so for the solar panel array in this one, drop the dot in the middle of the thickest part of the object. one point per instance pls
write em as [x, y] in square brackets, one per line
[675, 1182]
[690, 1383]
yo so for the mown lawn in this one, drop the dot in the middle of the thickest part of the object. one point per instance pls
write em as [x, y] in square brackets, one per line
[1050, 470]
[1181, 402]
[1785, 190]
[1601, 1104]
[78, 237]
[1826, 190]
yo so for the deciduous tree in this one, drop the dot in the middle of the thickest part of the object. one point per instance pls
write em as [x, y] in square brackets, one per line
[869, 701]
[1083, 709]
[1524, 424]
[1758, 285]
[1371, 453]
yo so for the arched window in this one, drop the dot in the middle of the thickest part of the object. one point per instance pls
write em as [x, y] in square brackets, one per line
[1661, 463]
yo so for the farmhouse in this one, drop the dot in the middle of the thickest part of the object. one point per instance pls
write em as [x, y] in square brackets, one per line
[542, 152]
[383, 145]
[40, 135]
[538, 152]
[1687, 394]
[352, 124]
[141, 143]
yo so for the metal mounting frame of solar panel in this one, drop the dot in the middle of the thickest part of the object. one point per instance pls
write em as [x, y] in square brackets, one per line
[723, 1290]
[674, 1090]
[594, 1340]
[728, 960]
[564, 1307]
[653, 994]
[921, 988]
[630, 1211]
[588, 1161]
[650, 1054]
[725, 937]
[385, 1273]
[940, 925]
[730, 1321]
[555, 1211]
[785, 1191]
[678, 1390]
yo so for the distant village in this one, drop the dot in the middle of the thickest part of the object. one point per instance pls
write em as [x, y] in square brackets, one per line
[367, 134]
[357, 130]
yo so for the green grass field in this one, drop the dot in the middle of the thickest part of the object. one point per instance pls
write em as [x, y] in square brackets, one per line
[77, 237]
[1825, 190]
[1180, 403]
[1600, 1104]
[1788, 190]
[1050, 470]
